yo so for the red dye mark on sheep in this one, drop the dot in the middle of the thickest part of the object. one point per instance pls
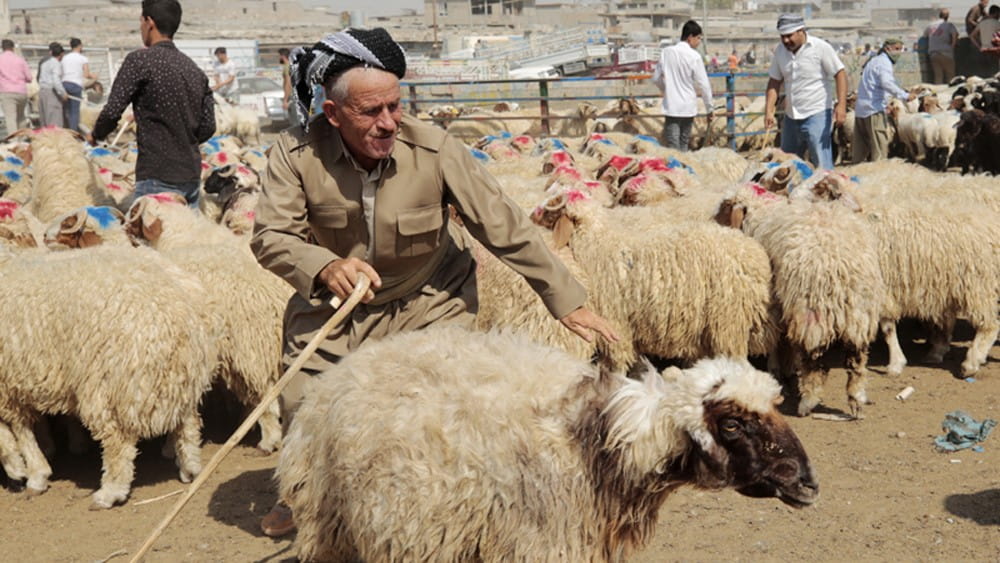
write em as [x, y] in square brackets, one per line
[573, 196]
[7, 209]
[620, 162]
[656, 164]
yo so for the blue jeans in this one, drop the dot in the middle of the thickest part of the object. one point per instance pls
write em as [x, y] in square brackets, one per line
[153, 186]
[813, 133]
[677, 132]
[71, 109]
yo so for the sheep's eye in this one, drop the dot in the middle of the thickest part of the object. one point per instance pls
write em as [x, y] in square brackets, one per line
[729, 427]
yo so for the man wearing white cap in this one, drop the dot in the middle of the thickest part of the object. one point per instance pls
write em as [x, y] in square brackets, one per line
[806, 65]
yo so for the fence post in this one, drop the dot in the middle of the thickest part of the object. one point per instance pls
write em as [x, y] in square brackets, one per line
[543, 93]
[413, 99]
[731, 109]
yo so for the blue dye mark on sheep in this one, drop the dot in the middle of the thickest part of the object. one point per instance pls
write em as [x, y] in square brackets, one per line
[856, 179]
[608, 142]
[505, 135]
[647, 138]
[12, 175]
[100, 151]
[558, 145]
[674, 163]
[14, 160]
[803, 169]
[480, 155]
[102, 215]
[771, 165]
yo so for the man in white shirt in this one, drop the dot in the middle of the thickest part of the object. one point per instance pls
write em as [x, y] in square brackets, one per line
[76, 70]
[678, 75]
[806, 65]
[225, 74]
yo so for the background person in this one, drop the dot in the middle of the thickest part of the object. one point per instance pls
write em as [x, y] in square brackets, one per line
[871, 128]
[225, 74]
[680, 75]
[806, 65]
[76, 71]
[975, 15]
[372, 186]
[173, 106]
[51, 93]
[14, 79]
[942, 36]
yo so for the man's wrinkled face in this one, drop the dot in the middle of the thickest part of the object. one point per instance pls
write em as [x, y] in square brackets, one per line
[369, 117]
[792, 41]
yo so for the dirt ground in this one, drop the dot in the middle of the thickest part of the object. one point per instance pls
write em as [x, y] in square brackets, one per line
[886, 494]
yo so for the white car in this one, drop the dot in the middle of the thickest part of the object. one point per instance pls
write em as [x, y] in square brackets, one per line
[262, 95]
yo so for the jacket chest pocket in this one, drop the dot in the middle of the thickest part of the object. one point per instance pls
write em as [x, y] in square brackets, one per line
[329, 225]
[419, 230]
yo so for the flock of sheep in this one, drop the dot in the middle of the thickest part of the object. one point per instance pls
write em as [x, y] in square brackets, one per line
[690, 256]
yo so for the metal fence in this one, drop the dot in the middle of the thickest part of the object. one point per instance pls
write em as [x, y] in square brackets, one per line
[548, 94]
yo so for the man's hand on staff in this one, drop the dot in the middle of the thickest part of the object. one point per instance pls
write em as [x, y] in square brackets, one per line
[340, 276]
[582, 321]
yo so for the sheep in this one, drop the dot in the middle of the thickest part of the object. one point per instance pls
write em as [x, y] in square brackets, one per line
[18, 226]
[507, 301]
[977, 139]
[15, 178]
[63, 178]
[237, 121]
[166, 222]
[916, 131]
[938, 262]
[681, 290]
[74, 346]
[87, 227]
[828, 291]
[395, 453]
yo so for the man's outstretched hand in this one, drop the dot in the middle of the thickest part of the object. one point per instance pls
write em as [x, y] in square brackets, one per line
[584, 323]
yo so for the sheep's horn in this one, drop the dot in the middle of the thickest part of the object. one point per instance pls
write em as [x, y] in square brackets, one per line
[556, 203]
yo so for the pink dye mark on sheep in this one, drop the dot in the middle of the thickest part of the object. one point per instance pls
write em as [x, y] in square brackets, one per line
[7, 209]
[522, 140]
[560, 157]
[205, 165]
[596, 137]
[251, 215]
[567, 170]
[574, 196]
[164, 197]
[222, 157]
[114, 187]
[243, 170]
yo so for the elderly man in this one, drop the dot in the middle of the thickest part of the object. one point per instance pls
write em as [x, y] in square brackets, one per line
[871, 129]
[364, 189]
[806, 65]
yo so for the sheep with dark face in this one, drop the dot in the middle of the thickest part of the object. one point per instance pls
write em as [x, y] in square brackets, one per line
[447, 445]
[977, 142]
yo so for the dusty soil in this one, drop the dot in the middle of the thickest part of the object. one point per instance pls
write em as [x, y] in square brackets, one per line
[886, 493]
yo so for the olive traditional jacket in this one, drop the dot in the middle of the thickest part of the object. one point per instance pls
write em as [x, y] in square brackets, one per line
[310, 213]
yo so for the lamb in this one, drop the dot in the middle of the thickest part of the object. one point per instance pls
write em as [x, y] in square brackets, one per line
[125, 380]
[977, 141]
[916, 131]
[828, 291]
[678, 290]
[578, 473]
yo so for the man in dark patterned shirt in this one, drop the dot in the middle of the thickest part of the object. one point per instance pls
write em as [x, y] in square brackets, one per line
[172, 103]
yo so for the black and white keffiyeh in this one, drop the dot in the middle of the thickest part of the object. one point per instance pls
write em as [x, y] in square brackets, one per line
[336, 53]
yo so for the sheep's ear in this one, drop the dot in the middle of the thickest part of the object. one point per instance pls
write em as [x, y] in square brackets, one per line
[118, 215]
[562, 231]
[70, 223]
[730, 214]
